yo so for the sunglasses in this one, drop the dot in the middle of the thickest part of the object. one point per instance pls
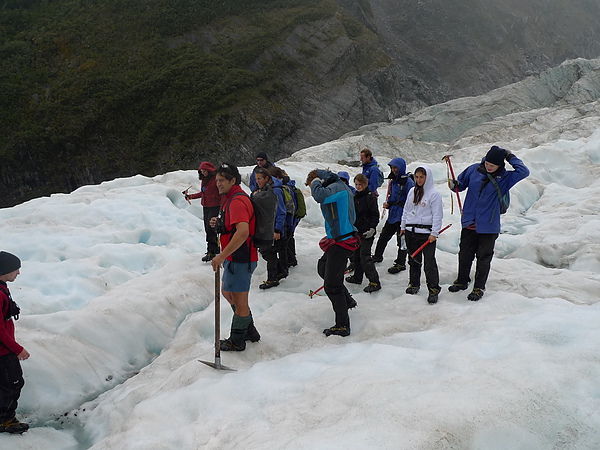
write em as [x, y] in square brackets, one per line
[260, 159]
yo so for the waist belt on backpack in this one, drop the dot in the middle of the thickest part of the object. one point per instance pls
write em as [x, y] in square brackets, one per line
[417, 225]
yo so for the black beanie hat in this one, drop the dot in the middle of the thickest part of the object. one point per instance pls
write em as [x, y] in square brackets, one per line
[8, 263]
[496, 155]
[262, 155]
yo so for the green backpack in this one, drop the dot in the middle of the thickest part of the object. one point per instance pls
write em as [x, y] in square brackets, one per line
[300, 202]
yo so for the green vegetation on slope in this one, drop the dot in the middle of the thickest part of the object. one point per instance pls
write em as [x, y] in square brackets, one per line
[95, 89]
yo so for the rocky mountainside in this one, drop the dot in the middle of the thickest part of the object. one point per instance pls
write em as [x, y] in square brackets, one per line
[117, 91]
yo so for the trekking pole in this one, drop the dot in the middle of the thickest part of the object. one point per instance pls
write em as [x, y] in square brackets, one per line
[449, 164]
[217, 364]
[311, 293]
[428, 241]
[185, 193]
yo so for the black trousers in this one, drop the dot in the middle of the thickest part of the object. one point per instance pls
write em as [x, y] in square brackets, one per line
[276, 258]
[11, 383]
[426, 258]
[363, 262]
[331, 268]
[473, 244]
[388, 230]
[211, 234]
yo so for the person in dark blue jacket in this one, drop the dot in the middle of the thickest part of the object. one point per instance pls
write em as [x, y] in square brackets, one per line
[345, 176]
[337, 207]
[262, 162]
[481, 214]
[400, 185]
[371, 170]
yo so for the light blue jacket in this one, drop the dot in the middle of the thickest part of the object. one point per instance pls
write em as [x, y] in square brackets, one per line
[337, 204]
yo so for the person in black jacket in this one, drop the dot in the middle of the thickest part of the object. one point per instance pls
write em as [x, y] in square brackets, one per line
[367, 218]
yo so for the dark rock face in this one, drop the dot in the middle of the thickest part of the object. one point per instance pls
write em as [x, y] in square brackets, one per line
[407, 55]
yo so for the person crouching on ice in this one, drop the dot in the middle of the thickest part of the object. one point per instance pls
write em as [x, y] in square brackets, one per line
[337, 207]
[422, 222]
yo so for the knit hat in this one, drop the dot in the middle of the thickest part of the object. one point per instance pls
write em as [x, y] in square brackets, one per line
[262, 155]
[8, 263]
[496, 155]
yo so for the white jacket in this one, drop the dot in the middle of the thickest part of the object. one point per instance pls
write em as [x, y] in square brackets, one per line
[429, 211]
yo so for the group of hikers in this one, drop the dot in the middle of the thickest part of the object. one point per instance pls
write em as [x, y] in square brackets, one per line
[234, 239]
[351, 213]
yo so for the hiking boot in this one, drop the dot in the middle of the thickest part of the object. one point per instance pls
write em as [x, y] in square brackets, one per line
[338, 331]
[456, 286]
[13, 426]
[377, 259]
[252, 333]
[282, 275]
[208, 257]
[433, 296]
[227, 345]
[412, 290]
[372, 287]
[269, 284]
[397, 268]
[353, 280]
[475, 294]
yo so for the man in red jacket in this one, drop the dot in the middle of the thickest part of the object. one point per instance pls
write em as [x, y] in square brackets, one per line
[11, 375]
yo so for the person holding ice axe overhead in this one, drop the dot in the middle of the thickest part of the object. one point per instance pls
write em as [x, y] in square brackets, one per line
[487, 184]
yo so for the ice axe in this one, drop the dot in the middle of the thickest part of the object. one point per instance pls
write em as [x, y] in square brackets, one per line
[449, 164]
[185, 193]
[417, 251]
[217, 364]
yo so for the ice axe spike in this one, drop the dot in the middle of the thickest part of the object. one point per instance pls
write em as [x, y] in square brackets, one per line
[217, 364]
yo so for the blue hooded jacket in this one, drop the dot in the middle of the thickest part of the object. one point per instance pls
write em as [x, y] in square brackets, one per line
[280, 212]
[399, 187]
[371, 171]
[337, 204]
[482, 205]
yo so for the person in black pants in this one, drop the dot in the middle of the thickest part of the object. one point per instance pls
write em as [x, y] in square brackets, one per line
[367, 218]
[11, 353]
[337, 207]
[422, 222]
[399, 185]
[486, 183]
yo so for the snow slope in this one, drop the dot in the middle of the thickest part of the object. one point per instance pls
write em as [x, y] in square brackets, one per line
[118, 308]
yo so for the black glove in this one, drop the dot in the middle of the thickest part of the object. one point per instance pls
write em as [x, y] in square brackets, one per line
[508, 156]
[453, 184]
